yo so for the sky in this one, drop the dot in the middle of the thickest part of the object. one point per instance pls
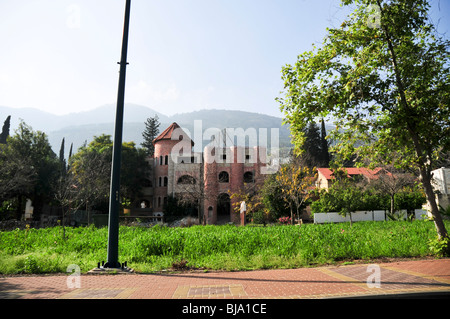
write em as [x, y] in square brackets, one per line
[60, 56]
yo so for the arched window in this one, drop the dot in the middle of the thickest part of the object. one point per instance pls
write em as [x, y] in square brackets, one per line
[186, 179]
[166, 181]
[224, 177]
[248, 177]
[166, 160]
[160, 160]
[160, 182]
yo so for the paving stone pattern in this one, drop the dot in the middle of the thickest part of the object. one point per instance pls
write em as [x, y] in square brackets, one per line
[307, 283]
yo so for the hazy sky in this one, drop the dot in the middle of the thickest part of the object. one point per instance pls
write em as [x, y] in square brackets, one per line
[61, 56]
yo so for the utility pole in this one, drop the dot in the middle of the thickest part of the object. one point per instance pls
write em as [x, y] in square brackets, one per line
[114, 197]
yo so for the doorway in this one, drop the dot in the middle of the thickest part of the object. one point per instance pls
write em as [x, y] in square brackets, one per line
[223, 209]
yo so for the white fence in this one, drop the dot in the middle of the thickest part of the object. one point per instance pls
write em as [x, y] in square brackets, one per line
[376, 215]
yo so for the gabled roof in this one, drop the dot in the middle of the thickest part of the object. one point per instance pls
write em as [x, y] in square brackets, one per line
[369, 173]
[168, 132]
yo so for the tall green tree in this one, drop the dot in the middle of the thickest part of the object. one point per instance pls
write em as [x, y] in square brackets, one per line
[324, 151]
[312, 146]
[315, 151]
[150, 133]
[273, 198]
[17, 174]
[5, 130]
[91, 167]
[36, 161]
[383, 77]
[62, 159]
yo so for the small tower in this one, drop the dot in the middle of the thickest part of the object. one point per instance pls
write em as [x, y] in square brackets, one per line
[173, 140]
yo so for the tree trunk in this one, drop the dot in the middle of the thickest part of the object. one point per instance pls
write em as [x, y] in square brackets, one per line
[392, 205]
[431, 199]
[292, 216]
[424, 161]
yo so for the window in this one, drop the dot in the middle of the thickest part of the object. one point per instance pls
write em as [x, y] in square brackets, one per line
[160, 160]
[224, 177]
[166, 160]
[160, 182]
[248, 177]
[186, 160]
[166, 180]
[159, 201]
[186, 179]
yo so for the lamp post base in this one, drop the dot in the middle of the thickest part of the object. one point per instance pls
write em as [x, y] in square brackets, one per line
[107, 269]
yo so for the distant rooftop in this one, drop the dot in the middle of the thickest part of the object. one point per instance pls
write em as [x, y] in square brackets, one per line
[369, 173]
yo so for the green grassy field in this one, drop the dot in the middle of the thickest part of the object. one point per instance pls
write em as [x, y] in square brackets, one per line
[214, 247]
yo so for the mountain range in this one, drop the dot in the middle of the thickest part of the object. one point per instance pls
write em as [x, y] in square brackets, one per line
[79, 128]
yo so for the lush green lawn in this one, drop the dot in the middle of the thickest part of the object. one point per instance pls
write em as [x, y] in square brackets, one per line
[214, 247]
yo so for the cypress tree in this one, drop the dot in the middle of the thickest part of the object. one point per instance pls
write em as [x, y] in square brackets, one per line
[62, 161]
[5, 130]
[325, 154]
[312, 146]
[70, 151]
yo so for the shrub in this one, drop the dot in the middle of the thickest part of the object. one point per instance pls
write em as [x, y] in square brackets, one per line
[260, 217]
[284, 220]
[439, 247]
[355, 199]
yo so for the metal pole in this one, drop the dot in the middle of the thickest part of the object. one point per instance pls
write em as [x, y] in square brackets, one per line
[114, 197]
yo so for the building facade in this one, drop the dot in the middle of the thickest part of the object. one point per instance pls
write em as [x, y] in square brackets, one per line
[205, 178]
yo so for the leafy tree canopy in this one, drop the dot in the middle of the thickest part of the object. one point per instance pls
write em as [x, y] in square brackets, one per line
[92, 166]
[383, 78]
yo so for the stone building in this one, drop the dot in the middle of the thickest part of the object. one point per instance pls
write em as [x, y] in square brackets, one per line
[206, 178]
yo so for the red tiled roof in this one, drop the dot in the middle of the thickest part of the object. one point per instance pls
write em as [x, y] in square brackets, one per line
[369, 173]
[167, 133]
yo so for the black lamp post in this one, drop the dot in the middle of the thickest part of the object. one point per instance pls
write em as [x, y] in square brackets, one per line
[114, 197]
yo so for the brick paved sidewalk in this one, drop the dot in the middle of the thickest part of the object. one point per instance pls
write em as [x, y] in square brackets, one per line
[304, 283]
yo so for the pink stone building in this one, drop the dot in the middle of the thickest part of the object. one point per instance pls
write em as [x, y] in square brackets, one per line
[208, 177]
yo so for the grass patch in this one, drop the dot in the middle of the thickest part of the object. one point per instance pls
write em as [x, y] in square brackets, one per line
[214, 247]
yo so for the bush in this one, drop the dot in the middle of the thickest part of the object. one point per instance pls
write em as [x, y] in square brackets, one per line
[355, 199]
[174, 209]
[260, 217]
[439, 247]
[410, 199]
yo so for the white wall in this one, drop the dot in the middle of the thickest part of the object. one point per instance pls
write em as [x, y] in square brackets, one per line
[377, 215]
